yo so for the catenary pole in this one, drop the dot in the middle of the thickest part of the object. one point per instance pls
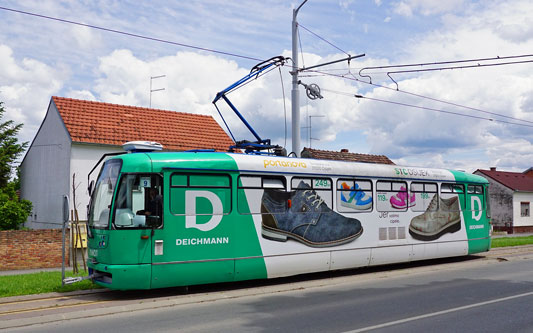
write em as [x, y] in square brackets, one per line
[295, 93]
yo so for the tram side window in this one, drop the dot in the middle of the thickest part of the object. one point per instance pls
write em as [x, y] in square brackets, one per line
[200, 194]
[392, 196]
[425, 196]
[354, 195]
[487, 200]
[321, 186]
[476, 197]
[139, 201]
[450, 197]
[261, 195]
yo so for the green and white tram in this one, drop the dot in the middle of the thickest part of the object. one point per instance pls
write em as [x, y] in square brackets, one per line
[162, 219]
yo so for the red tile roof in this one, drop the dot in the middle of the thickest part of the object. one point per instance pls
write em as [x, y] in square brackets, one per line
[516, 181]
[112, 124]
[345, 156]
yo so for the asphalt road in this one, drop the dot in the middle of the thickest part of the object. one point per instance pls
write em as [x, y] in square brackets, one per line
[464, 296]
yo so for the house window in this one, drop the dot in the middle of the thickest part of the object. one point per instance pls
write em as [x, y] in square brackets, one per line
[524, 209]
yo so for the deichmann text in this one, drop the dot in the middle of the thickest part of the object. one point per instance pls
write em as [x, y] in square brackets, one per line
[202, 241]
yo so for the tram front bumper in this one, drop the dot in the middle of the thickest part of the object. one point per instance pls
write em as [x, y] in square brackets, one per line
[122, 277]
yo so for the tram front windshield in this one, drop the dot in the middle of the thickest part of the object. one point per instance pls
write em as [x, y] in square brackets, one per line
[103, 194]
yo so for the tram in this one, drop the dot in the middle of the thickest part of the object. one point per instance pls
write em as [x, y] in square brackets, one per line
[164, 219]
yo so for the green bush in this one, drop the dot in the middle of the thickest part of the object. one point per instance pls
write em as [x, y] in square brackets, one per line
[13, 212]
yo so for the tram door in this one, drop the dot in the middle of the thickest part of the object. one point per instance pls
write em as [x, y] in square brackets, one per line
[194, 244]
[137, 211]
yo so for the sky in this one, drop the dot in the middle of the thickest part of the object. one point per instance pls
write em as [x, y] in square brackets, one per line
[41, 58]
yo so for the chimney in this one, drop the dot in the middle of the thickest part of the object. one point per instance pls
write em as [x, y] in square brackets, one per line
[344, 150]
[492, 168]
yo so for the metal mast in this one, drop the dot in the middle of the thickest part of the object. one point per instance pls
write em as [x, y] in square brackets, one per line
[295, 93]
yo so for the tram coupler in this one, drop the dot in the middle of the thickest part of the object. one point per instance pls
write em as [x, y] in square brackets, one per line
[71, 280]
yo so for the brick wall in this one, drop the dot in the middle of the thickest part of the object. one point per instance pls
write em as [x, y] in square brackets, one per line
[26, 249]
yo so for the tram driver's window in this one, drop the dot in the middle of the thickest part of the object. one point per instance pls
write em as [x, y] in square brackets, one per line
[139, 201]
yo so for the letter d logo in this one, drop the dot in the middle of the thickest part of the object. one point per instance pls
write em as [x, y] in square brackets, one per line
[190, 210]
[476, 212]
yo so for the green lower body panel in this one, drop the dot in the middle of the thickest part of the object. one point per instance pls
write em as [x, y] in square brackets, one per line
[191, 273]
[123, 277]
[250, 269]
[479, 245]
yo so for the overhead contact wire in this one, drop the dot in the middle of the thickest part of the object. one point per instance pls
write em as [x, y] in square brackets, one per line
[423, 107]
[131, 34]
[426, 97]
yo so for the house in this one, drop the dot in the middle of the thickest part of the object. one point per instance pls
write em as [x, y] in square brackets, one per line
[76, 133]
[344, 155]
[511, 195]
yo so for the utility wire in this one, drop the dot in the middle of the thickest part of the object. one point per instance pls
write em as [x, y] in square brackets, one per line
[423, 107]
[131, 34]
[452, 67]
[498, 58]
[323, 39]
[426, 97]
[449, 62]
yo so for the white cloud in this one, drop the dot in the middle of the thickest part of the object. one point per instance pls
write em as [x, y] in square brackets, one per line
[117, 69]
[187, 90]
[512, 155]
[81, 94]
[426, 7]
[403, 9]
[25, 88]
[416, 135]
[86, 38]
[345, 4]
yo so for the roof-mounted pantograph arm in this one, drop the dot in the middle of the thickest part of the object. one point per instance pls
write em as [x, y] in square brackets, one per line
[260, 144]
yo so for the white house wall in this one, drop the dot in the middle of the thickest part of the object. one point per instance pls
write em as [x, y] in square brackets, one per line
[83, 159]
[44, 172]
[522, 221]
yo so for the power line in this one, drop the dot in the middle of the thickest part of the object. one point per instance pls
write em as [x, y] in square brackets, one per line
[478, 60]
[449, 62]
[131, 34]
[453, 67]
[426, 97]
[423, 107]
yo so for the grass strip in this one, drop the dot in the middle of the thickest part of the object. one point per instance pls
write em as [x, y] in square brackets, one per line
[39, 283]
[511, 241]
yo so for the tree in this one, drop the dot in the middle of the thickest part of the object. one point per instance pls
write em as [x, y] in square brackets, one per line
[13, 211]
[10, 148]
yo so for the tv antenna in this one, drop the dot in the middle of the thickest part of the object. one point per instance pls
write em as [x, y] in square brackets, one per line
[152, 90]
[311, 129]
